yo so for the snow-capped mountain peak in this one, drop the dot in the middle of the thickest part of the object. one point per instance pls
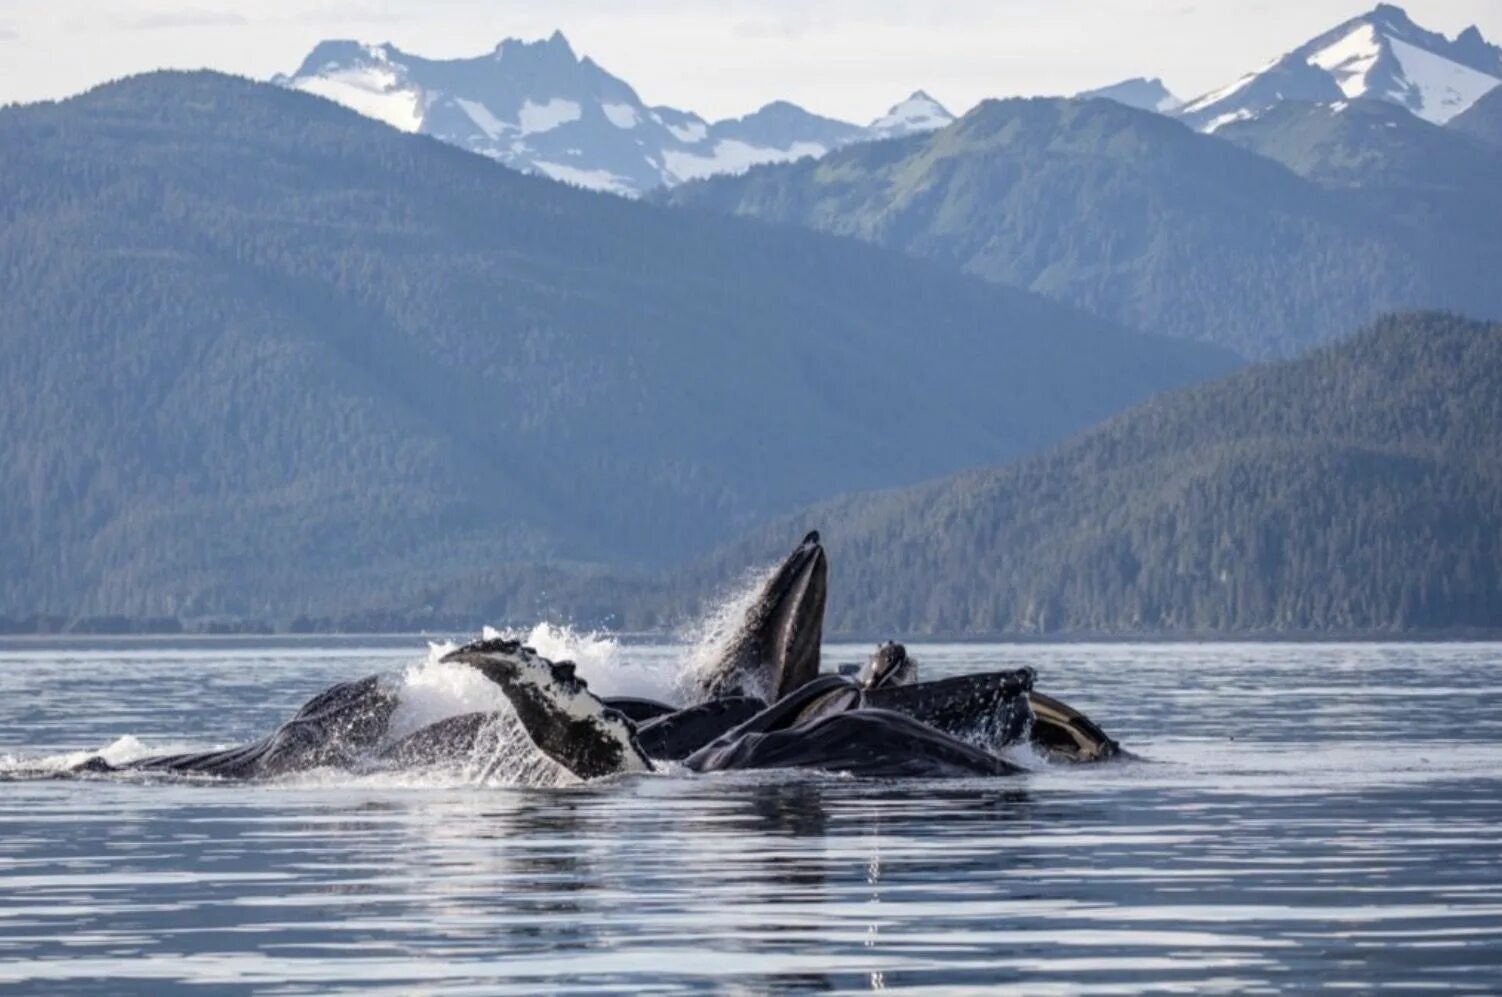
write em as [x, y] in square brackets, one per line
[364, 78]
[1140, 92]
[1381, 55]
[918, 113]
[539, 107]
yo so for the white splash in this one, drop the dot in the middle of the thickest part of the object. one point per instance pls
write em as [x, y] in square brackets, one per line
[432, 690]
[708, 639]
[118, 752]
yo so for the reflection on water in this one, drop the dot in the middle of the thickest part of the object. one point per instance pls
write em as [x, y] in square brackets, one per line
[1312, 815]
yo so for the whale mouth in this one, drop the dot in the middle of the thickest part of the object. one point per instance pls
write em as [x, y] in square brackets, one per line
[1067, 735]
[776, 649]
[799, 615]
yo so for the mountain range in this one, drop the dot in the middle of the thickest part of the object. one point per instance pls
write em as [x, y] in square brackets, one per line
[1132, 216]
[264, 356]
[1354, 489]
[539, 108]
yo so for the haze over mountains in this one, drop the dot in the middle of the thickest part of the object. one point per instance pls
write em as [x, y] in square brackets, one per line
[539, 108]
[263, 355]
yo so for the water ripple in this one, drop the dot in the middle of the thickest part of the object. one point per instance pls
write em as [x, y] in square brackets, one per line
[1311, 816]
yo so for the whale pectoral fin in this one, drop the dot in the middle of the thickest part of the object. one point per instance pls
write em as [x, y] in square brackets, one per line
[566, 721]
[1067, 734]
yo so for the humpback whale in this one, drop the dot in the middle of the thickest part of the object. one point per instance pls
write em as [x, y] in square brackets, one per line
[762, 704]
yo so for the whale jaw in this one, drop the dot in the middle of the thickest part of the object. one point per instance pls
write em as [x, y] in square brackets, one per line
[776, 649]
[566, 721]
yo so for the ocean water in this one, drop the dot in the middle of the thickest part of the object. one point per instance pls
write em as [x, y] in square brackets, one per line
[1306, 816]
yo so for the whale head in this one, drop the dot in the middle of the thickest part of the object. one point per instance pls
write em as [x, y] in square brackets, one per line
[776, 649]
[563, 718]
[888, 666]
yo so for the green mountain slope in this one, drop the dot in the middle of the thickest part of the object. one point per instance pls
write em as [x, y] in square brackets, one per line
[1358, 488]
[1124, 213]
[259, 355]
[1368, 144]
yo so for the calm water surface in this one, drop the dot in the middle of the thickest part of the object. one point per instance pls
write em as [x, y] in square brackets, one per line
[1312, 816]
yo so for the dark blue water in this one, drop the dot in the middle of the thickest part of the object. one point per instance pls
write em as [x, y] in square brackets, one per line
[1314, 816]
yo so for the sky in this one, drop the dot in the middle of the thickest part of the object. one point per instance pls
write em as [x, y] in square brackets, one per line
[846, 58]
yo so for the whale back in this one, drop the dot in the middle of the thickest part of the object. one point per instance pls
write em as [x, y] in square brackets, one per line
[989, 709]
[334, 728]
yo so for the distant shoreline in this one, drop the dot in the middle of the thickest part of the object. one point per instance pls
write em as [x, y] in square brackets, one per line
[21, 639]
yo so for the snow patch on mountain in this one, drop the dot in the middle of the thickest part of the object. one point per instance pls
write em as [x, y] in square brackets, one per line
[537, 118]
[483, 119]
[733, 156]
[620, 115]
[592, 179]
[1221, 120]
[374, 91]
[1350, 59]
[694, 131]
[1439, 88]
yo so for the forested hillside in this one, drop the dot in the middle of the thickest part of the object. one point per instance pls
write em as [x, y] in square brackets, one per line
[1369, 144]
[1133, 216]
[261, 356]
[1358, 488]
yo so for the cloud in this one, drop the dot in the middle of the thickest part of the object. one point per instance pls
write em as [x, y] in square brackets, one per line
[188, 17]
